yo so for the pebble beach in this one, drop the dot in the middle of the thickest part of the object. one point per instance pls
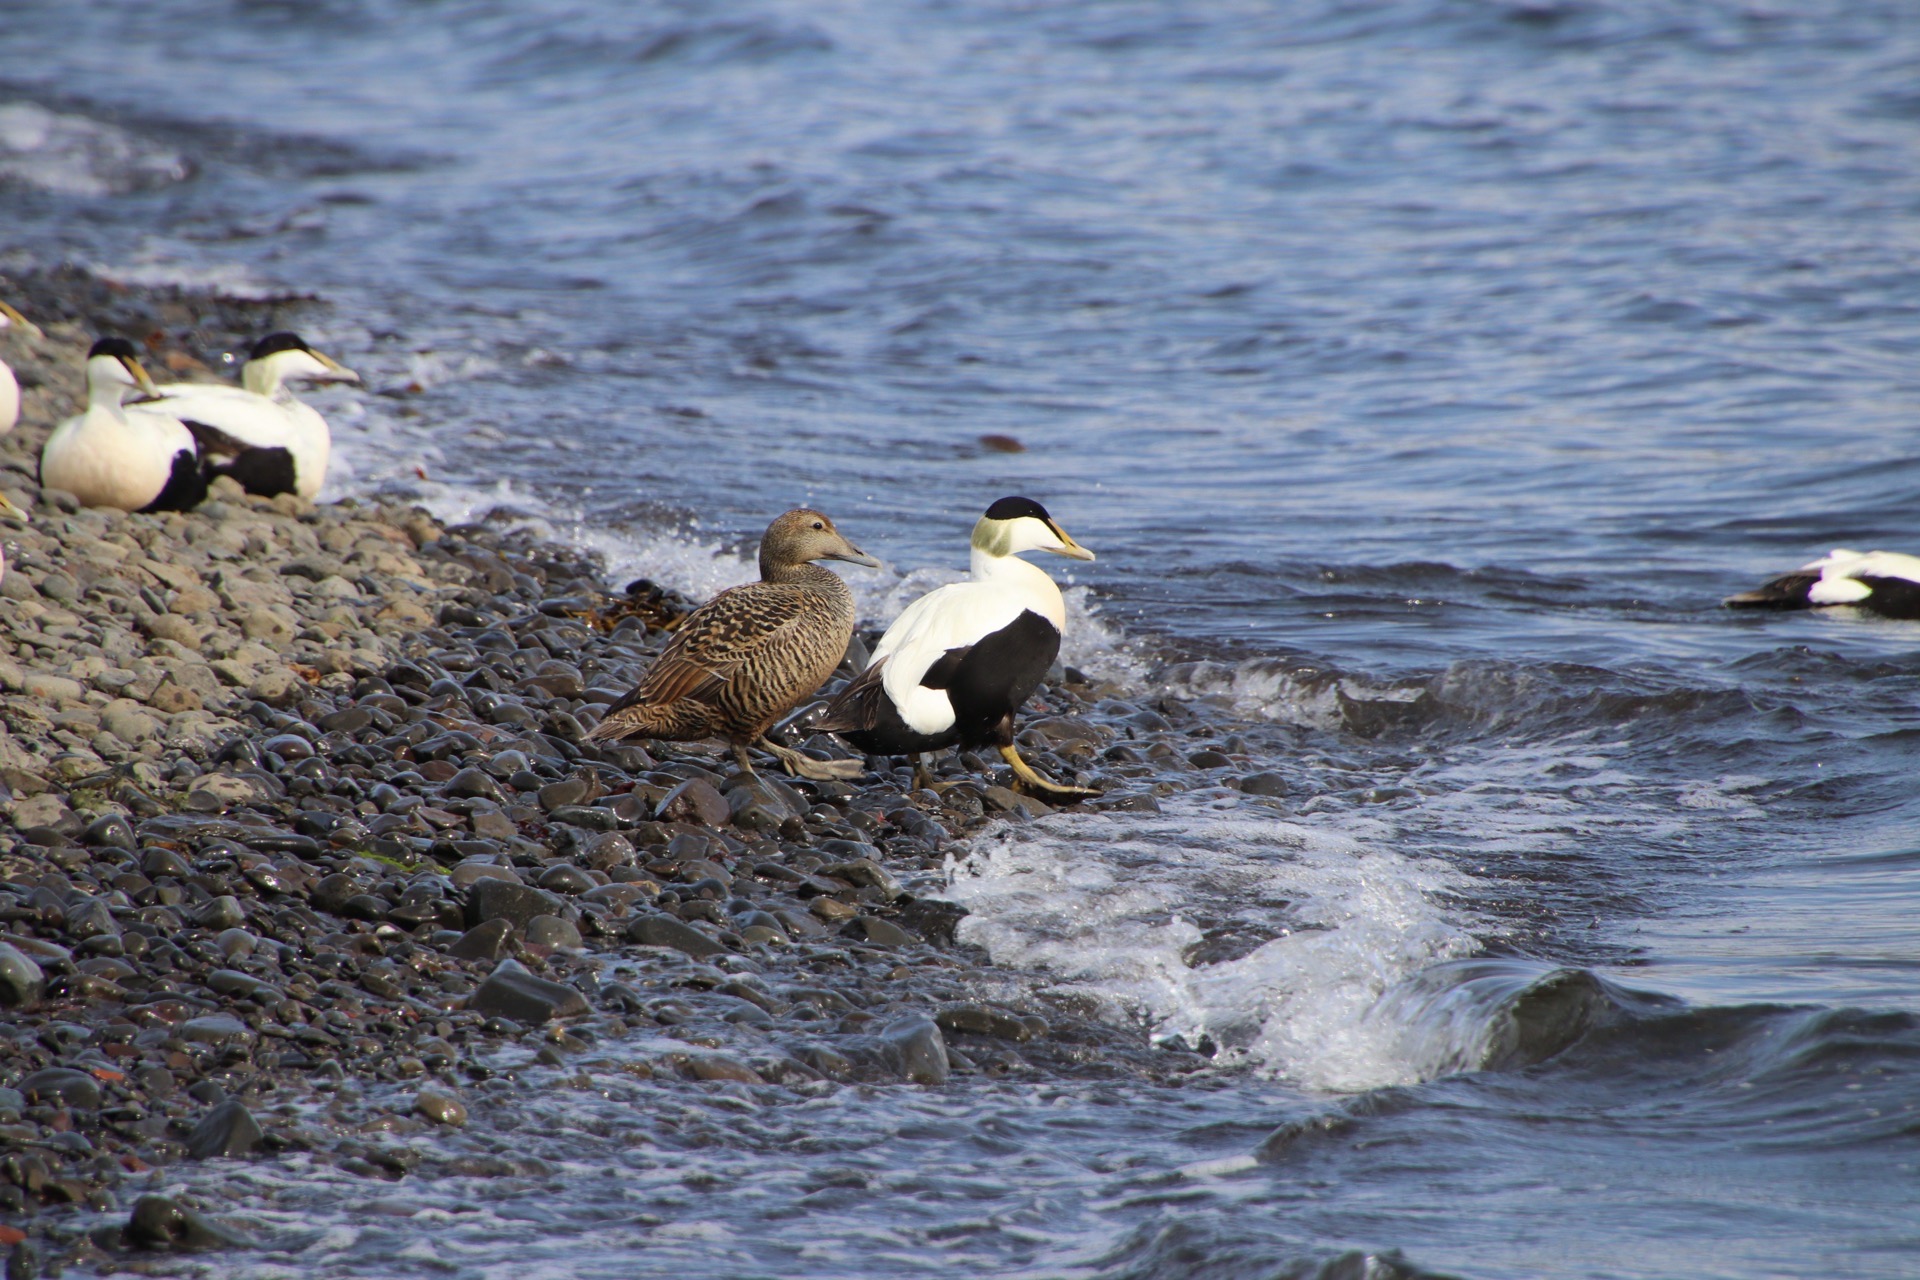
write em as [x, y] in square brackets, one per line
[304, 851]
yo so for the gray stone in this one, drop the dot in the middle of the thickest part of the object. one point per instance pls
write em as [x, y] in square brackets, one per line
[1265, 784]
[487, 940]
[91, 919]
[983, 1020]
[873, 929]
[563, 877]
[914, 1047]
[694, 800]
[474, 783]
[552, 931]
[223, 912]
[22, 982]
[484, 941]
[63, 1085]
[441, 1107]
[590, 817]
[216, 1029]
[43, 810]
[227, 1130]
[756, 805]
[867, 873]
[470, 872]
[556, 795]
[515, 903]
[162, 1224]
[511, 992]
[656, 929]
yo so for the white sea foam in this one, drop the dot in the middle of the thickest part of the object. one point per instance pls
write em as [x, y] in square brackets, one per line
[1107, 904]
[75, 155]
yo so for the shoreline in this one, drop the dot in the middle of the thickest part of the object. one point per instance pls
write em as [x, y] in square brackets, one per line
[296, 796]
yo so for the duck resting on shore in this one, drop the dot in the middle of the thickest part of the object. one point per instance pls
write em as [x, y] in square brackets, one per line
[118, 455]
[10, 385]
[1885, 582]
[741, 661]
[258, 432]
[960, 661]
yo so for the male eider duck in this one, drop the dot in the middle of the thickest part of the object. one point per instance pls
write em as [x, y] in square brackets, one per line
[116, 455]
[1886, 582]
[742, 660]
[961, 660]
[257, 432]
[9, 385]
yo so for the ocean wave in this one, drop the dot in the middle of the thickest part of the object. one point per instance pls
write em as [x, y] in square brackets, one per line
[68, 154]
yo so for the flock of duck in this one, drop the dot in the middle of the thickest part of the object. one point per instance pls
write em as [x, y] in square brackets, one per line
[953, 670]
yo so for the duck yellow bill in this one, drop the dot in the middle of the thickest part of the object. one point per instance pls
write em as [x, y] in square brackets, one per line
[20, 322]
[1068, 547]
[339, 371]
[140, 376]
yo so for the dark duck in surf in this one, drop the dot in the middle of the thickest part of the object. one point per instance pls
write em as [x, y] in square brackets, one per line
[1884, 582]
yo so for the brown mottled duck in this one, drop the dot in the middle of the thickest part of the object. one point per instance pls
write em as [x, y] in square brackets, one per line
[749, 655]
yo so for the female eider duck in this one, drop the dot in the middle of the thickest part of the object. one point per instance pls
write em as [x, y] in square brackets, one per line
[9, 385]
[116, 455]
[257, 432]
[744, 659]
[961, 660]
[1886, 582]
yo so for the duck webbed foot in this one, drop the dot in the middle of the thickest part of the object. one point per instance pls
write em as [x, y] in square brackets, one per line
[1032, 781]
[804, 766]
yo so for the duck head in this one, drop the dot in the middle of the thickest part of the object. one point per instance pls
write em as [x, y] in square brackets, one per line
[802, 535]
[280, 358]
[113, 372]
[1013, 525]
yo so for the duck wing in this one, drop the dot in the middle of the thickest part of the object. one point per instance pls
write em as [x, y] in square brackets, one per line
[718, 639]
[858, 705]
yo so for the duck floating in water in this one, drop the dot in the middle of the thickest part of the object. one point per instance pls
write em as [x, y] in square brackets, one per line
[258, 432]
[10, 385]
[960, 661]
[746, 657]
[1886, 582]
[117, 455]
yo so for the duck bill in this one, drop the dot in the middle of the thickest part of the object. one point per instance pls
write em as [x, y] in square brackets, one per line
[854, 555]
[140, 378]
[336, 372]
[20, 322]
[10, 511]
[1068, 547]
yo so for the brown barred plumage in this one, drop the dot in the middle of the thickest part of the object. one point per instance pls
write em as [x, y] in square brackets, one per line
[748, 656]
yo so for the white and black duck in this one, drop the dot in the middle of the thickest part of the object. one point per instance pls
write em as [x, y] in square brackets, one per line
[960, 661]
[259, 432]
[1885, 582]
[748, 656]
[118, 455]
[10, 385]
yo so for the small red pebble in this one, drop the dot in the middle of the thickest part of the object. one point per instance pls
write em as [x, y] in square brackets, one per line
[133, 1163]
[108, 1073]
[11, 1235]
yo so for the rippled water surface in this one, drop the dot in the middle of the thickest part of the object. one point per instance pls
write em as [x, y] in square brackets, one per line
[1424, 373]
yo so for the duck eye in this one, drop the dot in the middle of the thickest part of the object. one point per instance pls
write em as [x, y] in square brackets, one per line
[818, 525]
